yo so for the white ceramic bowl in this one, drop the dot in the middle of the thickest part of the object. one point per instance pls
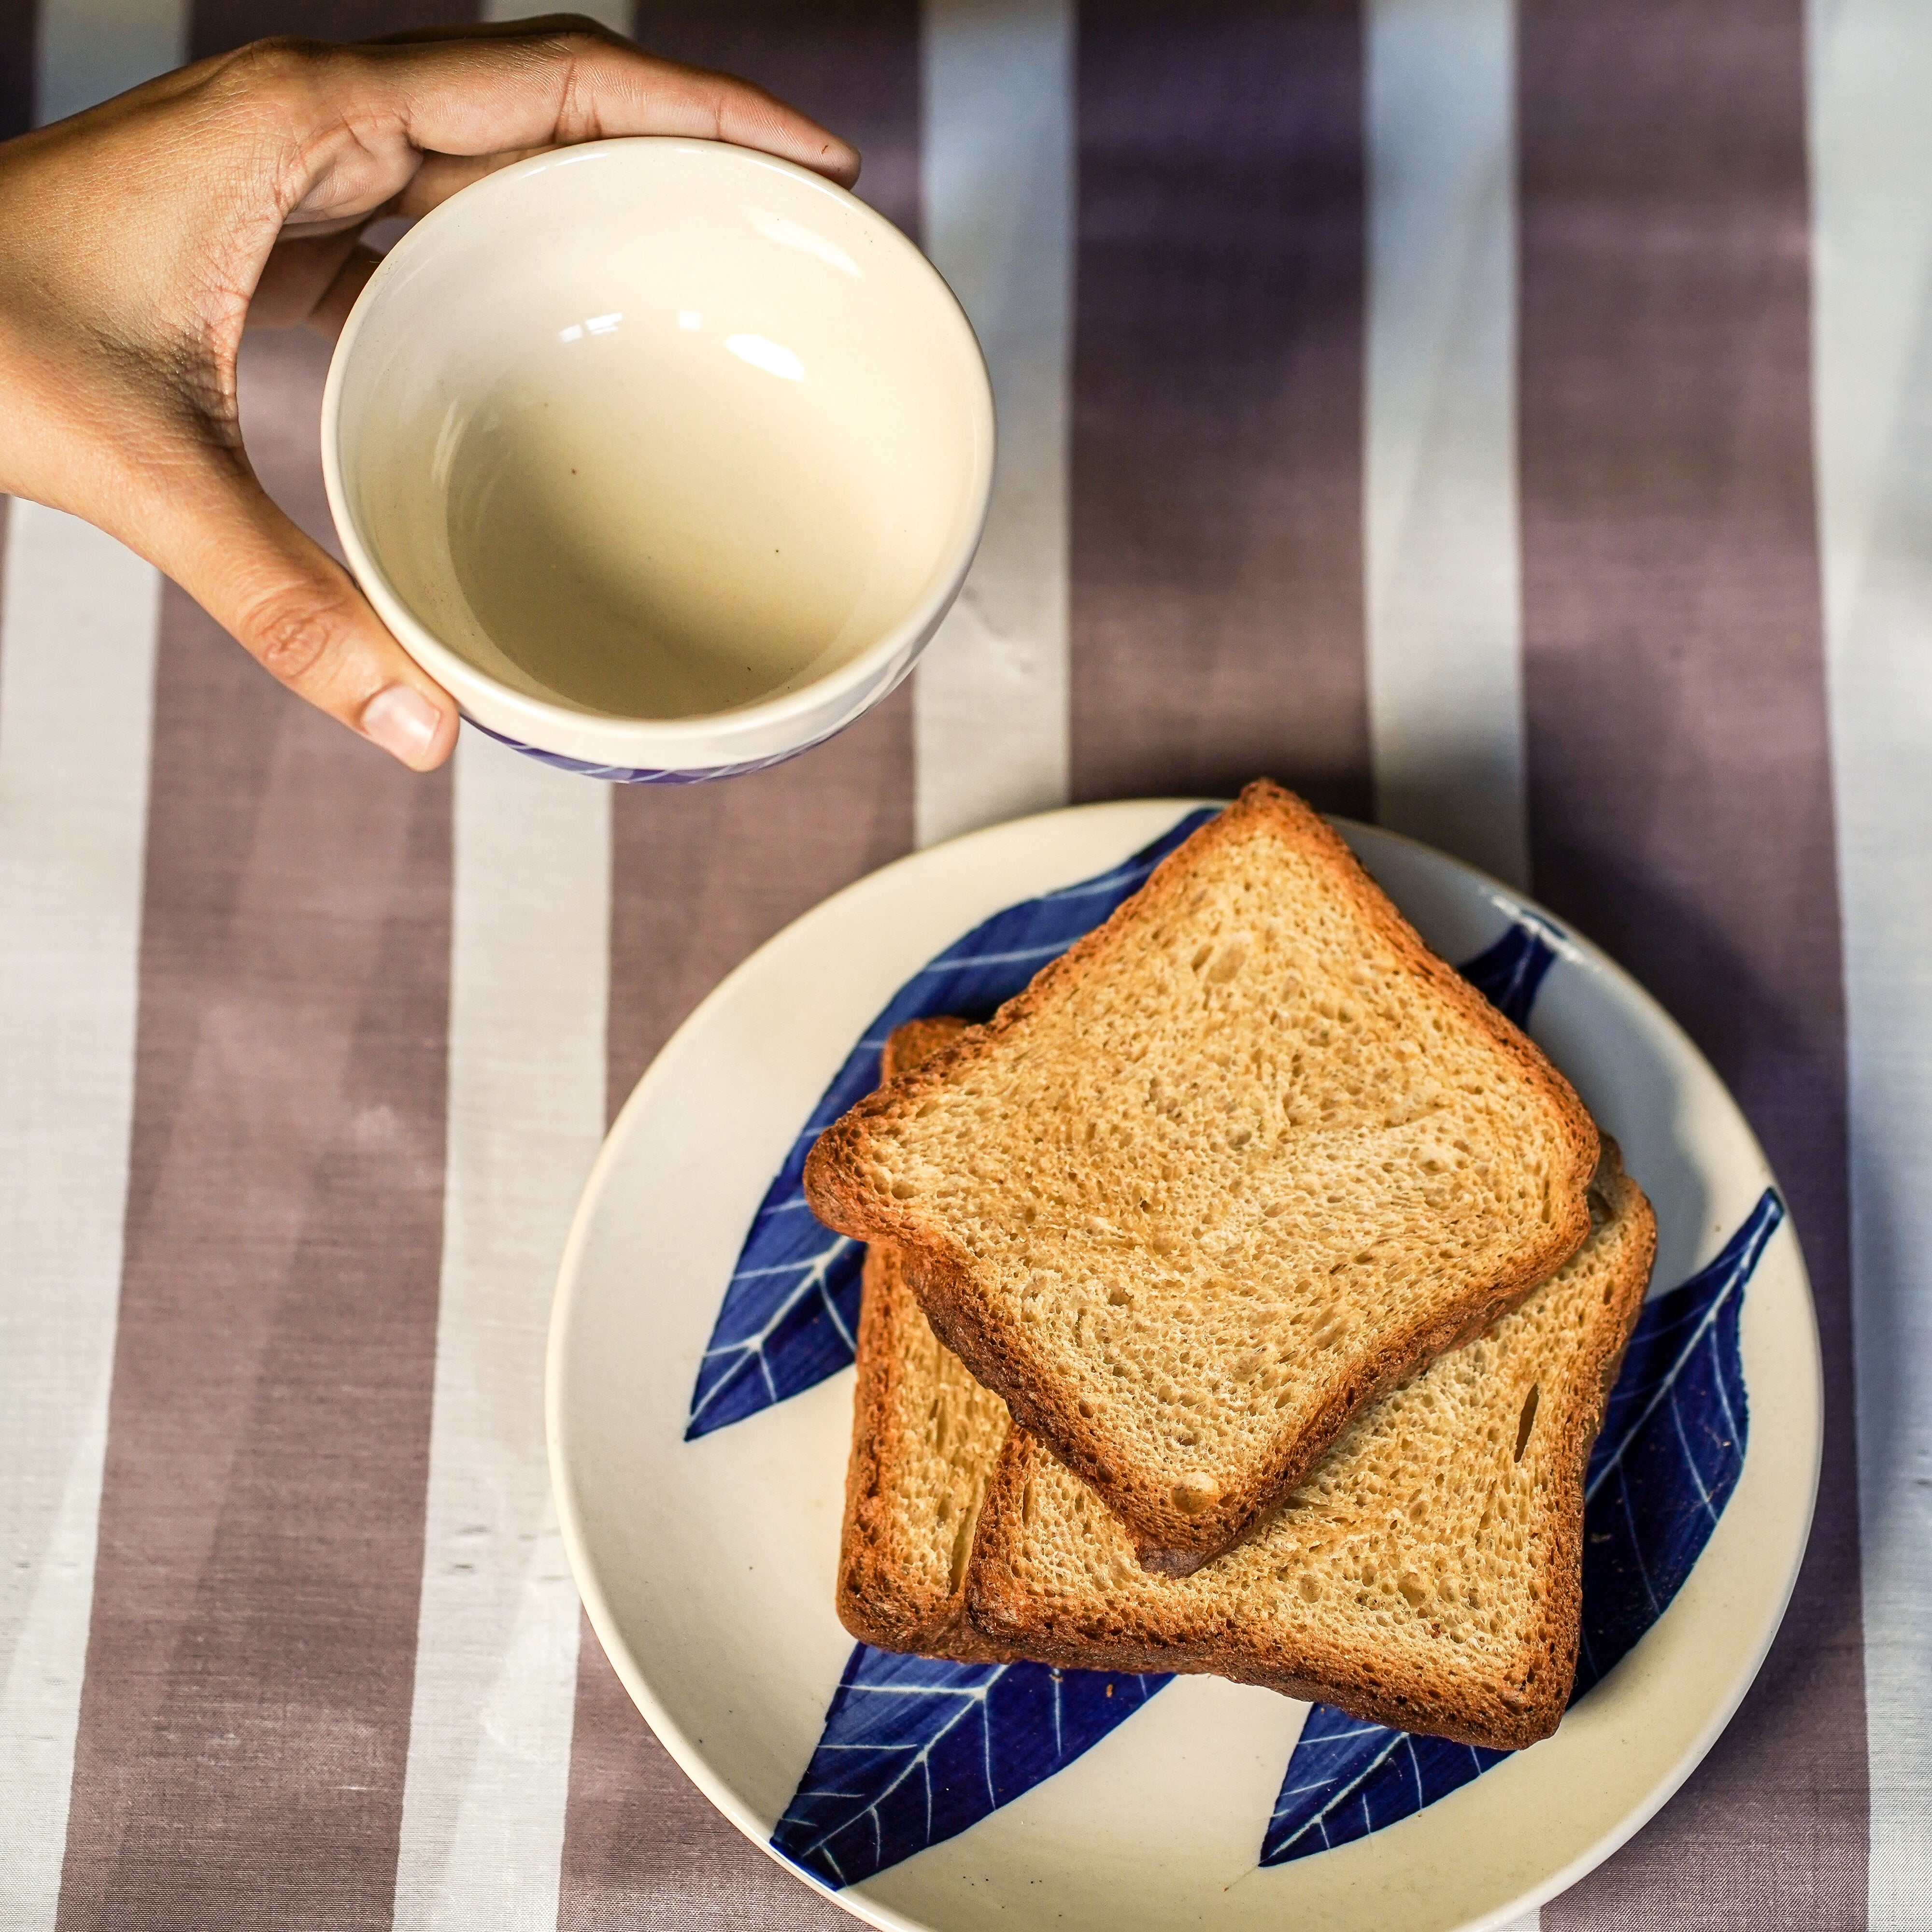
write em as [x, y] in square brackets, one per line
[665, 457]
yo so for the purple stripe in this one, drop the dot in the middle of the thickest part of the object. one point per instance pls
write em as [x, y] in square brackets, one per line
[1680, 786]
[701, 874]
[645, 1848]
[852, 65]
[243, 1726]
[1216, 567]
[17, 19]
[220, 24]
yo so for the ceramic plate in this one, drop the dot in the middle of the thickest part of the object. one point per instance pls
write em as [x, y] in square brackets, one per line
[700, 1399]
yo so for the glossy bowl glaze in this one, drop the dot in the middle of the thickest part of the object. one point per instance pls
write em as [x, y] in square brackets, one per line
[665, 457]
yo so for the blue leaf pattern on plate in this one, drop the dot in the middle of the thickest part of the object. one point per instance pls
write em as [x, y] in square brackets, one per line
[1347, 1778]
[791, 1307]
[1669, 1457]
[1509, 974]
[1671, 1451]
[915, 1750]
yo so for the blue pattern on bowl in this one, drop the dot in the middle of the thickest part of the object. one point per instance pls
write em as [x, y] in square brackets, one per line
[635, 774]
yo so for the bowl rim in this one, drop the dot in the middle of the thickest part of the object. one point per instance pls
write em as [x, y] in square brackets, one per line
[720, 738]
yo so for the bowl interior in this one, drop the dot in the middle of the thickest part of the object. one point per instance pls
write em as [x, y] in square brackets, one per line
[658, 430]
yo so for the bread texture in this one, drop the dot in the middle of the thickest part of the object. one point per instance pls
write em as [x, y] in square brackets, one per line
[1243, 1158]
[1427, 1575]
[926, 1435]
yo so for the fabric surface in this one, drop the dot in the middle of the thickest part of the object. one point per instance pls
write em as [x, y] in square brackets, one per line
[292, 1120]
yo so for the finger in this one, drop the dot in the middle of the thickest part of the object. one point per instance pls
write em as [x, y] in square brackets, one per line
[582, 26]
[299, 274]
[436, 177]
[330, 309]
[442, 176]
[297, 613]
[312, 277]
[488, 95]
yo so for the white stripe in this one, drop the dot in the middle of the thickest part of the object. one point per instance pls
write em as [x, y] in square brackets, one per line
[615, 14]
[91, 49]
[1443, 561]
[989, 700]
[78, 616]
[1440, 535]
[496, 1671]
[1871, 77]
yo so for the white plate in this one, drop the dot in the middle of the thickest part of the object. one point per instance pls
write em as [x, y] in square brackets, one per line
[707, 1566]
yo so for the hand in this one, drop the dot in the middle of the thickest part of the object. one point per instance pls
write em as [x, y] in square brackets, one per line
[142, 237]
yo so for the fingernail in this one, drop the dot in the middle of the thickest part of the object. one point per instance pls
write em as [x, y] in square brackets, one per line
[403, 722]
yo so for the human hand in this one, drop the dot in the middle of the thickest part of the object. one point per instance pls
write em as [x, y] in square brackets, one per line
[142, 237]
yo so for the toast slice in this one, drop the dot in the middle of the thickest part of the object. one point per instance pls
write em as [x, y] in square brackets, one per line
[926, 1435]
[1427, 1575]
[1245, 1157]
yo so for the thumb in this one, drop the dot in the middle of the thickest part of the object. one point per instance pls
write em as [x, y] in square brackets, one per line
[299, 614]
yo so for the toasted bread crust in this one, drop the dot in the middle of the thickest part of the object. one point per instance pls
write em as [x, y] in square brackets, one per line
[1183, 1627]
[837, 1184]
[886, 1597]
[883, 1600]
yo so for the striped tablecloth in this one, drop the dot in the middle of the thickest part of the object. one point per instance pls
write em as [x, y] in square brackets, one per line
[1515, 428]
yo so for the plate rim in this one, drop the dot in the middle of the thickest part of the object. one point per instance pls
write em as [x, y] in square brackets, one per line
[690, 1758]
